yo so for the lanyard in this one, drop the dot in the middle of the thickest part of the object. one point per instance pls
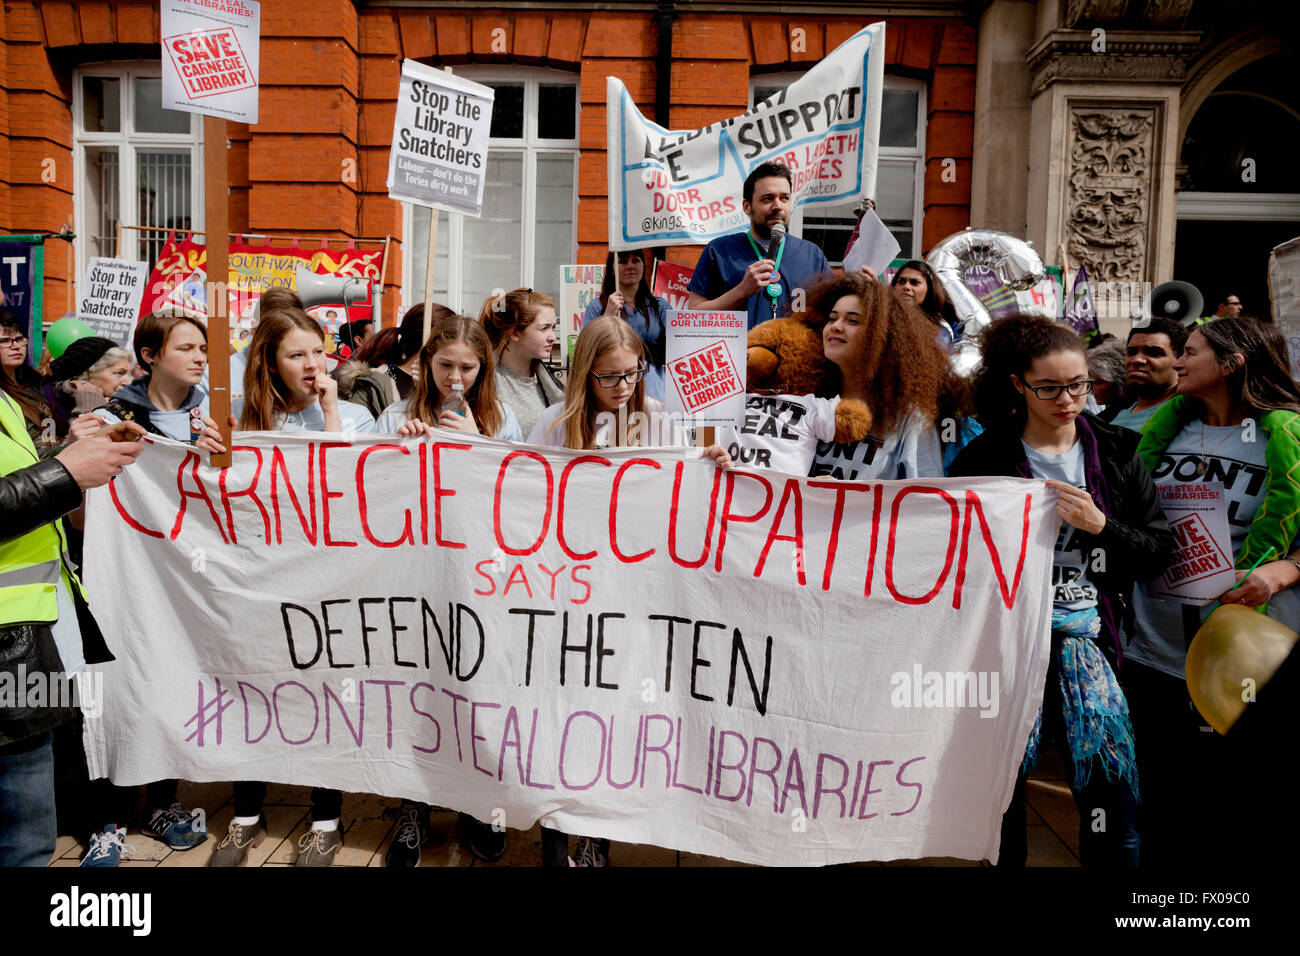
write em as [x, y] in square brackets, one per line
[773, 288]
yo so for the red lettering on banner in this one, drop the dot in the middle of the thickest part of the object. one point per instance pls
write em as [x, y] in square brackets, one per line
[791, 491]
[326, 495]
[875, 537]
[573, 576]
[492, 584]
[613, 511]
[1008, 596]
[250, 492]
[435, 456]
[496, 502]
[192, 459]
[523, 578]
[278, 467]
[131, 522]
[840, 488]
[893, 532]
[728, 516]
[674, 508]
[406, 537]
[559, 515]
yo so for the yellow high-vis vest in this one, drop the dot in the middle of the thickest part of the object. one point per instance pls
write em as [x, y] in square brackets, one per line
[29, 566]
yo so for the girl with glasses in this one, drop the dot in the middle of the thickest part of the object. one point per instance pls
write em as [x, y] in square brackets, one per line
[1029, 393]
[605, 405]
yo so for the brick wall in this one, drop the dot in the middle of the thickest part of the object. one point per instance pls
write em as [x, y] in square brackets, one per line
[316, 164]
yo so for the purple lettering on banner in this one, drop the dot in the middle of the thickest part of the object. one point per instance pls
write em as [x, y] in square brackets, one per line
[433, 720]
[564, 742]
[657, 748]
[755, 772]
[455, 720]
[512, 720]
[677, 762]
[474, 738]
[867, 791]
[899, 777]
[360, 728]
[818, 790]
[528, 773]
[708, 770]
[243, 688]
[275, 702]
[722, 750]
[636, 756]
[794, 772]
[387, 685]
[857, 782]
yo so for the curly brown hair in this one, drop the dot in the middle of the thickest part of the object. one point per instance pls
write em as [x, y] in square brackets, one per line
[903, 366]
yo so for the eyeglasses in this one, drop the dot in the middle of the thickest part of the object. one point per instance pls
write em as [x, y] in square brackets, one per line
[16, 340]
[611, 381]
[1050, 392]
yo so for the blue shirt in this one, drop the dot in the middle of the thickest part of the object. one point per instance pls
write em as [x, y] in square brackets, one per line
[1071, 588]
[725, 259]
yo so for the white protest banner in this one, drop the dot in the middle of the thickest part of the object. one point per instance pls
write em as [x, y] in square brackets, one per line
[706, 357]
[629, 644]
[440, 140]
[579, 287]
[1202, 568]
[676, 187]
[110, 297]
[210, 57]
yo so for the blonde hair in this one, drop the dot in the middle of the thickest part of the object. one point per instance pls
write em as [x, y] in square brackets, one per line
[598, 337]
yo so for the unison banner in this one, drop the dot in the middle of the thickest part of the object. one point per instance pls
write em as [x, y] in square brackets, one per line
[685, 186]
[627, 643]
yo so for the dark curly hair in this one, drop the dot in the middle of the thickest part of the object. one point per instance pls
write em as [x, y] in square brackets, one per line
[1008, 347]
[904, 368]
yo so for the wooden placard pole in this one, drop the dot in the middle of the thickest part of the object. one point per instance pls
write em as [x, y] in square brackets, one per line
[217, 217]
[428, 273]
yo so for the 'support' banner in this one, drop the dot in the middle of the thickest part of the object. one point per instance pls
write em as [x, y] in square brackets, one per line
[628, 643]
[685, 186]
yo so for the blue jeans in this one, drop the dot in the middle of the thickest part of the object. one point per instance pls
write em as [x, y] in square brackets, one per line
[28, 825]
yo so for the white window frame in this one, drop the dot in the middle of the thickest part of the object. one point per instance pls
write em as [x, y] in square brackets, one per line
[451, 232]
[128, 142]
[914, 154]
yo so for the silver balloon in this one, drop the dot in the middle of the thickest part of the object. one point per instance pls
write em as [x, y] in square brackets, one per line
[1012, 260]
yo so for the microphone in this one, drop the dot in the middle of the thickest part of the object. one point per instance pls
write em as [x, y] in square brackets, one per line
[778, 236]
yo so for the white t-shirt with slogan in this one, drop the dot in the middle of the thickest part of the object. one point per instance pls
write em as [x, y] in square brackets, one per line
[1160, 641]
[1072, 590]
[911, 450]
[781, 432]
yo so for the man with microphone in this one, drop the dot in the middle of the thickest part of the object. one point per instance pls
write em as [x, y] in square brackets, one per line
[757, 270]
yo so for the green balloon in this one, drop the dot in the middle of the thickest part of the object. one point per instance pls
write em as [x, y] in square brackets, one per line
[64, 332]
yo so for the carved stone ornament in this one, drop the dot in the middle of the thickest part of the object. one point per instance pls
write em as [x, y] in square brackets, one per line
[1128, 56]
[1079, 12]
[1109, 200]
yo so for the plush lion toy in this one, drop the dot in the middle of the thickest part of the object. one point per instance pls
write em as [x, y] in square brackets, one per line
[785, 418]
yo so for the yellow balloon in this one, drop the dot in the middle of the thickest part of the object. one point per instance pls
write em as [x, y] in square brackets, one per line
[1235, 653]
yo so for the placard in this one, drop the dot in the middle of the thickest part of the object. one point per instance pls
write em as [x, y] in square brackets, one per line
[706, 365]
[1202, 565]
[109, 303]
[210, 57]
[579, 287]
[440, 140]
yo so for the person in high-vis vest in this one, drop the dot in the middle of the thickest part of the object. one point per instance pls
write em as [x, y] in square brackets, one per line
[41, 600]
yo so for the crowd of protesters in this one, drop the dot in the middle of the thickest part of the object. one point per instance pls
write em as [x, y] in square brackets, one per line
[1115, 702]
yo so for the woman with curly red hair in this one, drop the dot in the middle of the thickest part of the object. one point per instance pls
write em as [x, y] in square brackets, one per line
[887, 357]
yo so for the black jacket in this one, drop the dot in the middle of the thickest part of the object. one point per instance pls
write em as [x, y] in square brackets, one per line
[36, 495]
[1136, 542]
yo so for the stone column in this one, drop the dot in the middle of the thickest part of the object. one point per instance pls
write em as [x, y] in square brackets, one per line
[1104, 130]
[1000, 158]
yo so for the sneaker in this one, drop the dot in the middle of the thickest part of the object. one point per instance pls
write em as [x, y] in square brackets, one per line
[487, 844]
[233, 848]
[176, 827]
[590, 853]
[317, 847]
[412, 833]
[107, 847]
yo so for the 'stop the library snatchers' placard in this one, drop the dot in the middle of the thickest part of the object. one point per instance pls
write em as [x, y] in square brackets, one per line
[440, 140]
[209, 61]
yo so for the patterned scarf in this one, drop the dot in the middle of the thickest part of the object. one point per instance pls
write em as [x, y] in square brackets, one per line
[1093, 706]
